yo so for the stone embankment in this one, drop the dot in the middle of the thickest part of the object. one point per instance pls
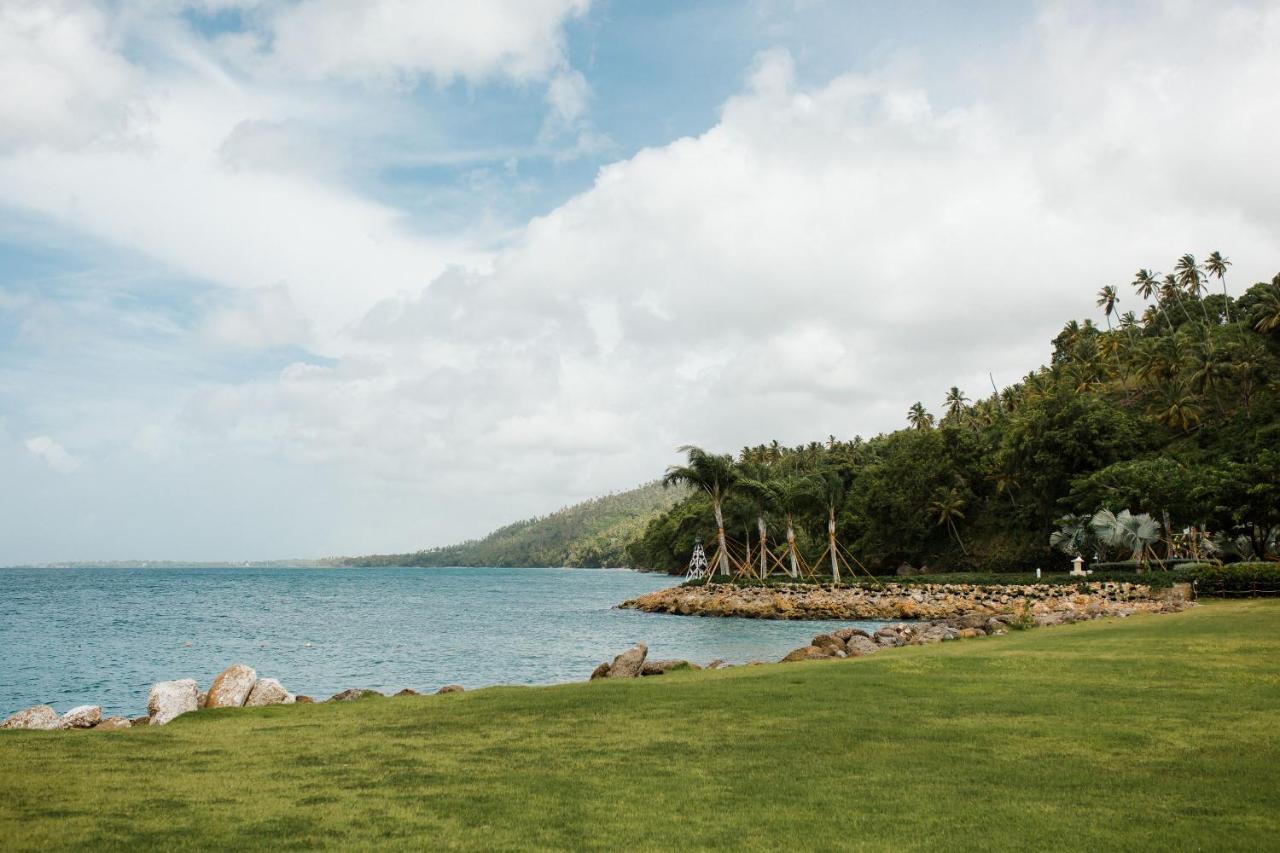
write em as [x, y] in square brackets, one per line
[238, 686]
[893, 601]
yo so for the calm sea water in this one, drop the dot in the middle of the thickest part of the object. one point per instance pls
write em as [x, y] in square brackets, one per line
[103, 636]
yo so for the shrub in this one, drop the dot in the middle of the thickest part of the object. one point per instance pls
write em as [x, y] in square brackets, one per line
[1236, 579]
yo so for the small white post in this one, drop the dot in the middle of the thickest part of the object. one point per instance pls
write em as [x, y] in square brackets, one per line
[1037, 573]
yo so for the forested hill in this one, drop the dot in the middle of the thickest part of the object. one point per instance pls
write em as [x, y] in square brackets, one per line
[1167, 407]
[594, 533]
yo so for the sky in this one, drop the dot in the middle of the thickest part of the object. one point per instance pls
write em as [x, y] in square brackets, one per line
[297, 278]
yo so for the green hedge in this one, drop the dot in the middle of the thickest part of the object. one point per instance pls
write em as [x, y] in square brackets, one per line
[1236, 579]
[1156, 579]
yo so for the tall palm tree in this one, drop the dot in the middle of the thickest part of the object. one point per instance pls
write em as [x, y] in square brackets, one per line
[1177, 407]
[834, 491]
[755, 482]
[714, 474]
[918, 418]
[789, 496]
[948, 506]
[1107, 299]
[1216, 265]
[1170, 292]
[1147, 283]
[1268, 308]
[955, 402]
[1191, 280]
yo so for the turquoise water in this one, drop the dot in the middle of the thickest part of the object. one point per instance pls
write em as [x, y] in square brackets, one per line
[103, 636]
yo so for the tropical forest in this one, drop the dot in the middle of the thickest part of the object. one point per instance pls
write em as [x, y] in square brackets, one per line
[1152, 435]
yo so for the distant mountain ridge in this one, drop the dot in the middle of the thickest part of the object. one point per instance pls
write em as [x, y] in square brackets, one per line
[591, 534]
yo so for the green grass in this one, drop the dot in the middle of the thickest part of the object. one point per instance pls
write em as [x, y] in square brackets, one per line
[1156, 732]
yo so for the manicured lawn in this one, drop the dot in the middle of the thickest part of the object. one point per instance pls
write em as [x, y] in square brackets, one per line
[1156, 732]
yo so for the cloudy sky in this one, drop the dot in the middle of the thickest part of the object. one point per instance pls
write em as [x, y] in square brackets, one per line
[305, 277]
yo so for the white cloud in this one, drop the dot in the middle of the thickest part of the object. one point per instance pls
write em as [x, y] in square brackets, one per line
[821, 257]
[400, 41]
[52, 454]
[62, 83]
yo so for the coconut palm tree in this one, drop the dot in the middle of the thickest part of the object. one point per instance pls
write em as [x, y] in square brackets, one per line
[755, 483]
[1147, 283]
[947, 506]
[1177, 407]
[1216, 265]
[714, 474]
[1107, 299]
[1191, 280]
[918, 418]
[833, 492]
[955, 402]
[789, 496]
[1170, 292]
[1268, 308]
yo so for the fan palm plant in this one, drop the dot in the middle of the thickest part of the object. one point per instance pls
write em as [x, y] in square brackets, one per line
[714, 474]
[1074, 537]
[1133, 533]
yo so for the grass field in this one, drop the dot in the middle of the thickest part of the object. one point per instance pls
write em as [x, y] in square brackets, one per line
[1156, 732]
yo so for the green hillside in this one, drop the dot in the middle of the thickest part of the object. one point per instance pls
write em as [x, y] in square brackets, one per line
[592, 534]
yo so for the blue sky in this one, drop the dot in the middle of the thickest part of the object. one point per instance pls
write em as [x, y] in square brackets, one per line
[304, 277]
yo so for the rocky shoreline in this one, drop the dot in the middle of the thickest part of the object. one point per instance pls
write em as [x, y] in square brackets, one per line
[1044, 603]
[237, 686]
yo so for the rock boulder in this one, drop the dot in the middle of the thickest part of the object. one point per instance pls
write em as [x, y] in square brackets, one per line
[452, 688]
[859, 645]
[37, 717]
[82, 717]
[353, 694]
[629, 663]
[169, 699]
[111, 724]
[232, 686]
[268, 691]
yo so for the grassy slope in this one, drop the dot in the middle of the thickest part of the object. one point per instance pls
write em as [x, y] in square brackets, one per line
[1151, 732]
[592, 533]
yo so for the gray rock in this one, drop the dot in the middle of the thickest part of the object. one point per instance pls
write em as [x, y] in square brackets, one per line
[268, 691]
[353, 694]
[859, 645]
[140, 721]
[82, 717]
[169, 699]
[111, 724]
[37, 717]
[827, 641]
[231, 687]
[660, 667]
[629, 663]
[452, 688]
[408, 691]
[602, 671]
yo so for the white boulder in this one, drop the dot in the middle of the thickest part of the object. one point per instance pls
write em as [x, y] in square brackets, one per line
[169, 699]
[37, 717]
[83, 717]
[268, 691]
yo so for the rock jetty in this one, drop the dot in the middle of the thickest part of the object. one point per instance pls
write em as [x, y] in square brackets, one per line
[893, 601]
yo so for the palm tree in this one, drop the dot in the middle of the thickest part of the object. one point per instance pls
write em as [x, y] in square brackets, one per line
[1147, 283]
[1170, 292]
[918, 418]
[714, 474]
[1107, 299]
[1135, 533]
[947, 506]
[955, 402]
[1178, 407]
[834, 492]
[1268, 308]
[754, 481]
[789, 496]
[1191, 280]
[1217, 265]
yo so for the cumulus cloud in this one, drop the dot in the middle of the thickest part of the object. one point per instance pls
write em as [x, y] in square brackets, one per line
[400, 41]
[820, 257]
[816, 261]
[62, 82]
[51, 453]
